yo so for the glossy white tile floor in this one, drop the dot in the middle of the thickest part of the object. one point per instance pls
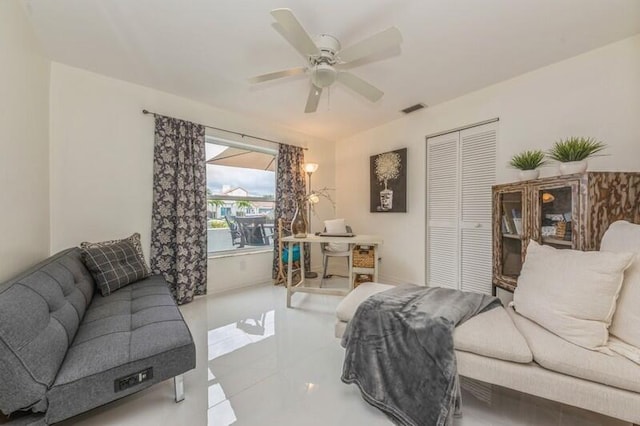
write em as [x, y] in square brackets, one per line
[259, 363]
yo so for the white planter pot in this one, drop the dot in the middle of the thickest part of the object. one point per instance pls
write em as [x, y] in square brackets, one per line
[572, 167]
[528, 174]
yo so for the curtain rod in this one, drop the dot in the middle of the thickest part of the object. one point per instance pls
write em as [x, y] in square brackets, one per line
[242, 135]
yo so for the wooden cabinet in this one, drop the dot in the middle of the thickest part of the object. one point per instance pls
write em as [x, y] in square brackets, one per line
[570, 212]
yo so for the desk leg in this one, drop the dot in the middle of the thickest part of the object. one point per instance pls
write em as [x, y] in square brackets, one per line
[289, 273]
[351, 279]
[303, 271]
[375, 263]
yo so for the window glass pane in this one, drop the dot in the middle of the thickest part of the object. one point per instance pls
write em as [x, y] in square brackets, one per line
[556, 218]
[240, 195]
[512, 232]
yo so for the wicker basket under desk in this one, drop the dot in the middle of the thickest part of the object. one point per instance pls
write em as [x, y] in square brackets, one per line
[362, 278]
[363, 256]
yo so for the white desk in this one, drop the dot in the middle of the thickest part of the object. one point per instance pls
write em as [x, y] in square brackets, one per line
[368, 240]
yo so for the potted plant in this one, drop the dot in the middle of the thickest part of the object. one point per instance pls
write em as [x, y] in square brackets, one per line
[527, 163]
[572, 153]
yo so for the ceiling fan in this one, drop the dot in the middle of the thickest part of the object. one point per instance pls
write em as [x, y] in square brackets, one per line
[326, 58]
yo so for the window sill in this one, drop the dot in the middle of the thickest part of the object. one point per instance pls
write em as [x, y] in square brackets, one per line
[223, 254]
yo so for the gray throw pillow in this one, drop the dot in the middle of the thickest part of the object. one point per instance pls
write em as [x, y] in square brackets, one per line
[133, 239]
[114, 266]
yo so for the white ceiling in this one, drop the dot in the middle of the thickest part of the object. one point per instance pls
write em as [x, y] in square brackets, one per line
[206, 49]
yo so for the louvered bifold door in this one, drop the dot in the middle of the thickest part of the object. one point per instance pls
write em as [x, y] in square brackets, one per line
[442, 211]
[477, 175]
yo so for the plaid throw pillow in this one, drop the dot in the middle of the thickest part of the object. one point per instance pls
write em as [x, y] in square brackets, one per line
[114, 266]
[133, 239]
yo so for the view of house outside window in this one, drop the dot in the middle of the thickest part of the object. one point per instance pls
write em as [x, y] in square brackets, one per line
[240, 198]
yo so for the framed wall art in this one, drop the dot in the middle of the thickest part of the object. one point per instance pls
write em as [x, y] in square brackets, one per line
[388, 182]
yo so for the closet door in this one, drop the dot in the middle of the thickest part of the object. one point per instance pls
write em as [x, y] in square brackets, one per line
[442, 211]
[477, 175]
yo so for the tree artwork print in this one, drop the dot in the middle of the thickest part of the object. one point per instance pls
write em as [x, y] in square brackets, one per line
[388, 182]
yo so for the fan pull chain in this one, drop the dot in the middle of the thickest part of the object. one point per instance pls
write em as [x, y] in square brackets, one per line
[329, 98]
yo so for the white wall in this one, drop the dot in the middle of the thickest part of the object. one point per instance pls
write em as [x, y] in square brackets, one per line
[102, 163]
[24, 144]
[595, 94]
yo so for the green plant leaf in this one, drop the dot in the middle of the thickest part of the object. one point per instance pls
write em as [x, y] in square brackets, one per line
[528, 160]
[575, 149]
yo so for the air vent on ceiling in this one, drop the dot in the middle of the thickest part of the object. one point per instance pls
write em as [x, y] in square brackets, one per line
[412, 108]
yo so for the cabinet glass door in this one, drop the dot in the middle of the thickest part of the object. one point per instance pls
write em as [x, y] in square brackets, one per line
[512, 232]
[555, 215]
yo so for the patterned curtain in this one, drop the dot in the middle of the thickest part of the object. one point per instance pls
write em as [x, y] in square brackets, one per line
[290, 187]
[179, 217]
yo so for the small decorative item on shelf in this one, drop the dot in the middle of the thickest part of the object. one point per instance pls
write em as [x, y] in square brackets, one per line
[573, 152]
[548, 231]
[528, 162]
[561, 229]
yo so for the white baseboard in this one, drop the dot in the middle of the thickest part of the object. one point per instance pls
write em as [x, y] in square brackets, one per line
[239, 286]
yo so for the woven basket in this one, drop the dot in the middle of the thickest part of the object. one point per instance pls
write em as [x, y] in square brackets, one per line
[363, 256]
[362, 278]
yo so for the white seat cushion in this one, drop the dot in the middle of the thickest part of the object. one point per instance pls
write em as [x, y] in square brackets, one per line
[350, 303]
[625, 237]
[556, 354]
[340, 328]
[492, 334]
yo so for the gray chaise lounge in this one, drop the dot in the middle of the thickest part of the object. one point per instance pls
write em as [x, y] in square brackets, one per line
[64, 351]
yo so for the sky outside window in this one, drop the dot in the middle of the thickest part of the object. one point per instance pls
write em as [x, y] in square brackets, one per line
[257, 183]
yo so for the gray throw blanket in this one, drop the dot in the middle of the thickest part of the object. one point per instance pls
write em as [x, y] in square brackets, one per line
[399, 351]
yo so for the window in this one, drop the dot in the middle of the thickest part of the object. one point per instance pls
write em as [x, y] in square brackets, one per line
[240, 196]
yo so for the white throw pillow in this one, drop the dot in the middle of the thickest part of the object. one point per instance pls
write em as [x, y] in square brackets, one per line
[625, 237]
[571, 293]
[336, 226]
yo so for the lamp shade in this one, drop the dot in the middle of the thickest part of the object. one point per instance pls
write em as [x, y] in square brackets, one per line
[310, 167]
[547, 197]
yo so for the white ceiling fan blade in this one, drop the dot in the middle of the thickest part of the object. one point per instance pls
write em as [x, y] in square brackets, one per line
[313, 99]
[379, 42]
[278, 74]
[295, 33]
[360, 86]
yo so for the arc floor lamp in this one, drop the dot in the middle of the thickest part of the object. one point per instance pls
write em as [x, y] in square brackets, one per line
[310, 168]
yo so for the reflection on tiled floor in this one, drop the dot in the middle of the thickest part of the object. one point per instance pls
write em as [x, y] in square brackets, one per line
[259, 363]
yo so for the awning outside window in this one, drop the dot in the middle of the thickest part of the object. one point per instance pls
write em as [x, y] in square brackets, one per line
[237, 157]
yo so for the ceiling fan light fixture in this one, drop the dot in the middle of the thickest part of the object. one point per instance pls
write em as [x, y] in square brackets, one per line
[323, 75]
[324, 53]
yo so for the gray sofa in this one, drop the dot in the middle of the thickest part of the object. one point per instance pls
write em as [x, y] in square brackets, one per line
[64, 351]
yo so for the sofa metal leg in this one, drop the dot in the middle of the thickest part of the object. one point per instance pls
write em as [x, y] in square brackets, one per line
[178, 384]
